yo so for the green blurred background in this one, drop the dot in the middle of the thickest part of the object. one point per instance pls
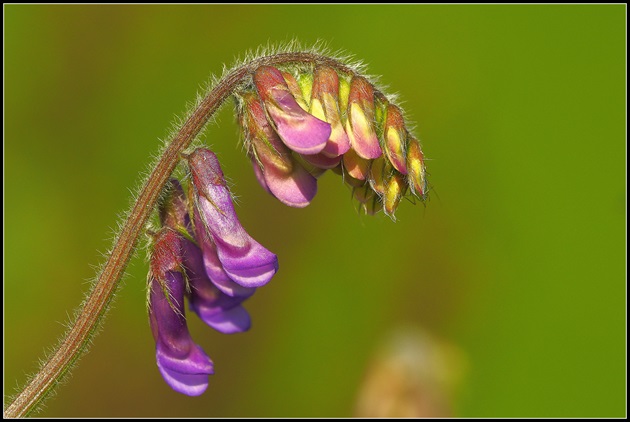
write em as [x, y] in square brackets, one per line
[518, 259]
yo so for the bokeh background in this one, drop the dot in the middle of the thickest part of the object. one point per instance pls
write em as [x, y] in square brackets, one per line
[517, 262]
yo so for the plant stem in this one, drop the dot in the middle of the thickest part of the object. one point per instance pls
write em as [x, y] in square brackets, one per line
[96, 303]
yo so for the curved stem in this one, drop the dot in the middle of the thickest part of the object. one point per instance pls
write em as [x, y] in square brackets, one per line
[101, 294]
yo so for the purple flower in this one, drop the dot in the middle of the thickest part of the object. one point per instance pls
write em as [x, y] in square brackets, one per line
[183, 364]
[299, 130]
[214, 297]
[243, 259]
[278, 171]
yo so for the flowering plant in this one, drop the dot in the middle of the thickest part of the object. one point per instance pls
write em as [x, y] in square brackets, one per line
[301, 113]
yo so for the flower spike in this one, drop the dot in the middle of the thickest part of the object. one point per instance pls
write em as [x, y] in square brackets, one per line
[281, 118]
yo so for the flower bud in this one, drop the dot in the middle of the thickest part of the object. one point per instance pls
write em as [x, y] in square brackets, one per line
[299, 130]
[378, 175]
[286, 179]
[355, 165]
[360, 125]
[395, 136]
[183, 364]
[416, 171]
[244, 260]
[394, 191]
[325, 106]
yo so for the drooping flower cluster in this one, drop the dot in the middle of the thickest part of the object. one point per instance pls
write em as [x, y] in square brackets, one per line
[203, 253]
[297, 125]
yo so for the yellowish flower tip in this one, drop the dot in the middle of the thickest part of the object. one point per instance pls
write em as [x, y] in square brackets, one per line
[416, 170]
[394, 192]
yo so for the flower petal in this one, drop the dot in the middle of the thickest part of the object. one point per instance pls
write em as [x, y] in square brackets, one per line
[229, 321]
[189, 376]
[296, 189]
[212, 265]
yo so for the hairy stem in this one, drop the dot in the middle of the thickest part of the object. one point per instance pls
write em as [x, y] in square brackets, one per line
[95, 304]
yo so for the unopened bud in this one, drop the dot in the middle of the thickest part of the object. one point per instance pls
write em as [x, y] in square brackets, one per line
[416, 171]
[325, 106]
[355, 165]
[360, 125]
[395, 136]
[378, 175]
[394, 192]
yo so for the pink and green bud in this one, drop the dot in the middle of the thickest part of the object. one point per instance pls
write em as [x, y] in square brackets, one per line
[355, 165]
[299, 130]
[325, 106]
[244, 260]
[416, 171]
[395, 136]
[183, 364]
[360, 126]
[286, 179]
[351, 181]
